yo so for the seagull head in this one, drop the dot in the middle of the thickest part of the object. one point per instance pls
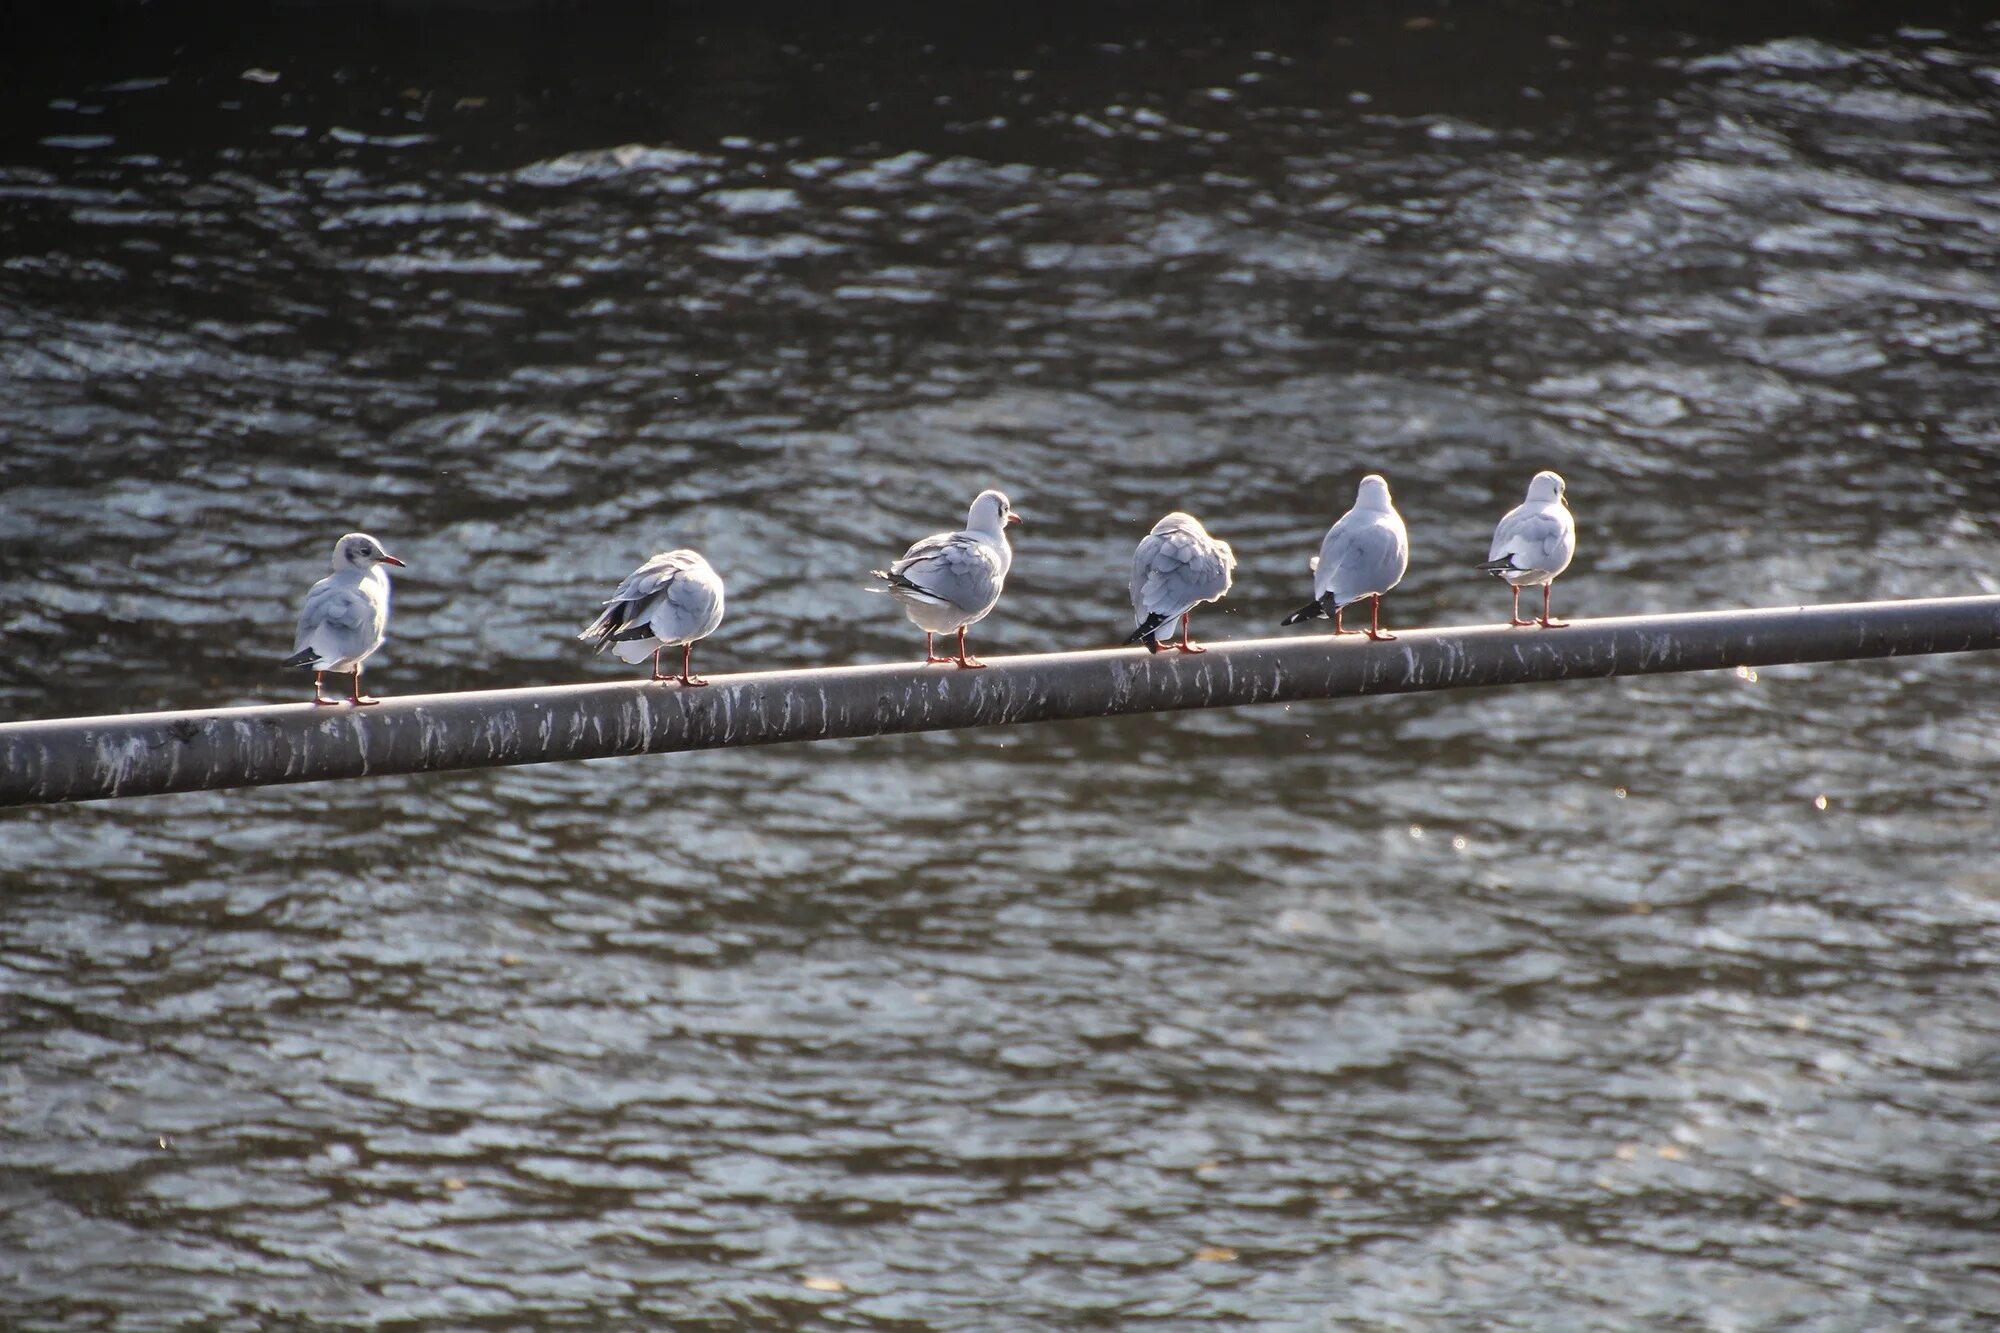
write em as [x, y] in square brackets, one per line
[1179, 520]
[1548, 488]
[990, 514]
[357, 550]
[1373, 493]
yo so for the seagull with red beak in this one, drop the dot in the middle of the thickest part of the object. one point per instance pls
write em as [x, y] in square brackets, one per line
[952, 580]
[346, 615]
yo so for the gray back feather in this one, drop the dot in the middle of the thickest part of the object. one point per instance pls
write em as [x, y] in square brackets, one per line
[1177, 569]
[1365, 554]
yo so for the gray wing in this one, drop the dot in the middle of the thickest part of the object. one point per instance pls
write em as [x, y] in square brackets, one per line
[950, 569]
[337, 623]
[650, 577]
[933, 545]
[673, 597]
[1537, 539]
[1361, 557]
[628, 612]
[1175, 571]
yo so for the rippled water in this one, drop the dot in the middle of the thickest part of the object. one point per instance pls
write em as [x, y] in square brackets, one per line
[1562, 1007]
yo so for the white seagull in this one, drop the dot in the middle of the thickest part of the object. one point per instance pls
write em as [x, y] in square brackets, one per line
[953, 580]
[1535, 543]
[1177, 567]
[1364, 554]
[346, 615]
[671, 601]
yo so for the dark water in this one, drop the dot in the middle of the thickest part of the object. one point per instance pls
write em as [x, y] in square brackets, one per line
[1550, 1008]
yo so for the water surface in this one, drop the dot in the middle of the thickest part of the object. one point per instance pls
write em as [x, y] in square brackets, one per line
[1557, 1007]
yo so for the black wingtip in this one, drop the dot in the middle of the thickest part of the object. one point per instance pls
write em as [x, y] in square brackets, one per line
[1310, 611]
[1146, 629]
[1496, 567]
[602, 632]
[303, 657]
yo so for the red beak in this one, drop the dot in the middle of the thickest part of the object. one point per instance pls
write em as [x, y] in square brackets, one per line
[388, 559]
[1012, 518]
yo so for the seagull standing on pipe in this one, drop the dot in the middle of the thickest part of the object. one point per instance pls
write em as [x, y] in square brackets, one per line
[1177, 567]
[952, 580]
[1365, 553]
[673, 600]
[346, 615]
[1534, 543]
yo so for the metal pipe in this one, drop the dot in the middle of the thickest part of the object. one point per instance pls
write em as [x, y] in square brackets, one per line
[93, 758]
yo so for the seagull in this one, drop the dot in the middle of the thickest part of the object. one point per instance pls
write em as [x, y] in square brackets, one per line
[952, 580]
[1177, 567]
[672, 600]
[1364, 554]
[346, 615]
[1535, 543]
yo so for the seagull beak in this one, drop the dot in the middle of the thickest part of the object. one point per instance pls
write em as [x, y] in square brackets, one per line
[388, 559]
[1012, 518]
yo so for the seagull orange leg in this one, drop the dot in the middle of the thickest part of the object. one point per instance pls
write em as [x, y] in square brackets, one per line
[964, 660]
[1184, 645]
[354, 695]
[687, 666]
[1548, 589]
[1336, 622]
[1515, 618]
[319, 698]
[930, 649]
[1375, 630]
[656, 667]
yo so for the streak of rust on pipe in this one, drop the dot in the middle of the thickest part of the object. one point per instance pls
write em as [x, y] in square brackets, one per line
[93, 758]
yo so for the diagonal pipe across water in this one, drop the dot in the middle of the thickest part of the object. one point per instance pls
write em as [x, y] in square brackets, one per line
[145, 754]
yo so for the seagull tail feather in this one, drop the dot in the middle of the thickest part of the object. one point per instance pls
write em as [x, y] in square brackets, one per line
[598, 632]
[616, 625]
[905, 589]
